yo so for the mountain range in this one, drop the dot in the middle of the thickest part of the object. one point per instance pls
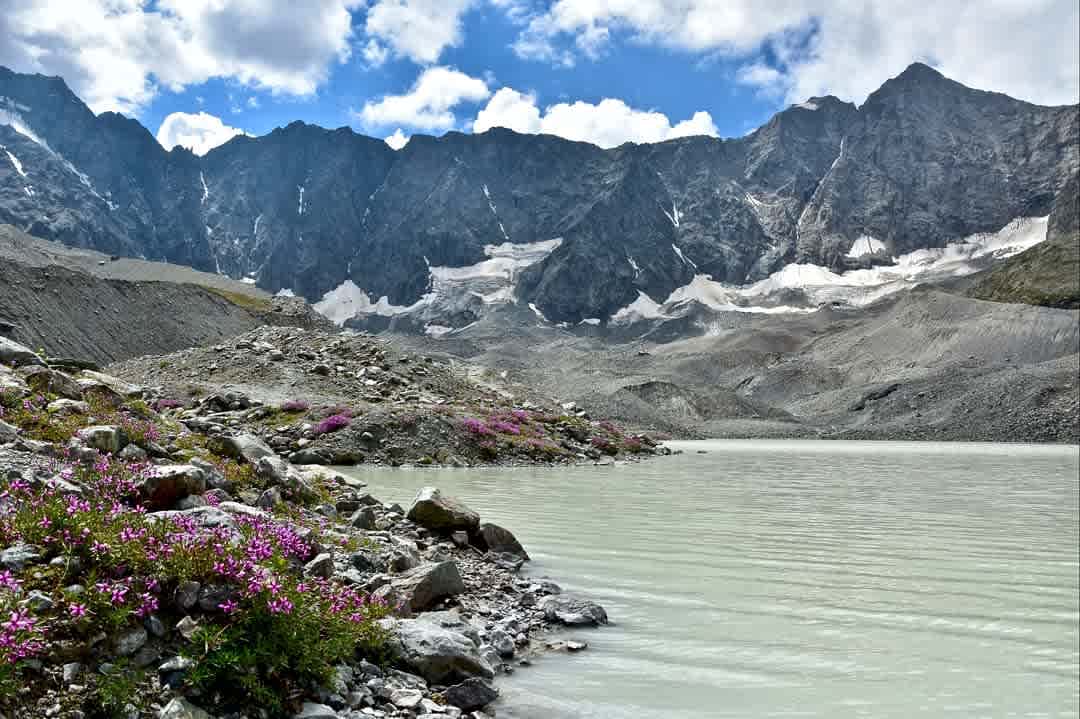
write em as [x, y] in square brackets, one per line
[576, 232]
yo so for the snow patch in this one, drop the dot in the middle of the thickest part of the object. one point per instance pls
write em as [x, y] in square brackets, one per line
[634, 265]
[675, 216]
[493, 281]
[285, 292]
[537, 312]
[865, 245]
[205, 188]
[643, 308]
[683, 257]
[808, 105]
[15, 163]
[433, 330]
[248, 280]
[255, 229]
[590, 321]
[854, 288]
[347, 301]
[300, 209]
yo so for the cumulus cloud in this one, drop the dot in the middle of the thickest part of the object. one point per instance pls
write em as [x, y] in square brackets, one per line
[609, 123]
[397, 140]
[1029, 49]
[428, 105]
[417, 29]
[116, 53]
[199, 132]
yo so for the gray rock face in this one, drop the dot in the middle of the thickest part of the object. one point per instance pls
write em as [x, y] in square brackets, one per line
[422, 586]
[16, 355]
[573, 611]
[438, 654]
[434, 510]
[924, 160]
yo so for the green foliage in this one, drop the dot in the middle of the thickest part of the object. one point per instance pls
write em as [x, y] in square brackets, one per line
[116, 689]
[265, 657]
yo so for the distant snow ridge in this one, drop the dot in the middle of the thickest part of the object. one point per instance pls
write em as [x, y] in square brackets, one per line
[854, 288]
[491, 282]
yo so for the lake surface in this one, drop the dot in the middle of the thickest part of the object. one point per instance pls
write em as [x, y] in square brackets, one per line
[799, 579]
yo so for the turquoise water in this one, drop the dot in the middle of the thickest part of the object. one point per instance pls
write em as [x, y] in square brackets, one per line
[799, 579]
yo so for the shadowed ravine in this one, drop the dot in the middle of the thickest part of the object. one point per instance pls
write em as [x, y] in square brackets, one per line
[819, 579]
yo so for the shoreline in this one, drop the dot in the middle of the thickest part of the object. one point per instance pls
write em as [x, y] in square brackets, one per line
[95, 479]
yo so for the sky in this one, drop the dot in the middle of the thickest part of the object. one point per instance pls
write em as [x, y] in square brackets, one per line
[197, 72]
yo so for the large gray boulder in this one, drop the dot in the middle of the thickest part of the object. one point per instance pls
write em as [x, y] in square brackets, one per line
[441, 513]
[49, 381]
[90, 379]
[104, 438]
[471, 694]
[424, 585]
[573, 611]
[247, 447]
[167, 484]
[438, 654]
[497, 539]
[16, 355]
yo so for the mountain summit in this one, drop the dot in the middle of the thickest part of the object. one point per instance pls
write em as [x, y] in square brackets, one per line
[576, 231]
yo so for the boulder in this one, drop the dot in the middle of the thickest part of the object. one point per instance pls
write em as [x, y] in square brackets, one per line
[14, 354]
[9, 433]
[104, 438]
[422, 586]
[127, 389]
[180, 708]
[470, 694]
[363, 518]
[17, 556]
[247, 447]
[67, 407]
[11, 383]
[494, 538]
[167, 484]
[321, 566]
[572, 611]
[49, 381]
[437, 654]
[311, 710]
[434, 510]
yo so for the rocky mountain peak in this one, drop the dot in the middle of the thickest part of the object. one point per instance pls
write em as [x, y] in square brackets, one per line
[923, 162]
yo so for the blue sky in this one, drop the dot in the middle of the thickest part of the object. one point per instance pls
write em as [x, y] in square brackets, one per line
[195, 72]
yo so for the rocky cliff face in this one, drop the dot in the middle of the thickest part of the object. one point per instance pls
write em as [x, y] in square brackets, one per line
[924, 161]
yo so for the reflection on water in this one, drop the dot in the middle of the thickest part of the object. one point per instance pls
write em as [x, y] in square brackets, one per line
[810, 579]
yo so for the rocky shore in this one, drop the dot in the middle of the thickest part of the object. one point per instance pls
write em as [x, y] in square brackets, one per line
[186, 558]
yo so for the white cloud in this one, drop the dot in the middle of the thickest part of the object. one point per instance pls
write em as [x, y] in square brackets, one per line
[428, 105]
[253, 103]
[417, 29]
[1026, 48]
[609, 123]
[116, 53]
[199, 132]
[397, 140]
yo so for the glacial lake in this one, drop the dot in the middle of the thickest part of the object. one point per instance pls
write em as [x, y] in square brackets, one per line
[798, 579]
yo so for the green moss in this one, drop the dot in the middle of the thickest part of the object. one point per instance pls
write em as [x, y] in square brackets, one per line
[248, 302]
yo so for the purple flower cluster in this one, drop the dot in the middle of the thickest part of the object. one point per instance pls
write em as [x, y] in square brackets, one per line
[332, 424]
[295, 405]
